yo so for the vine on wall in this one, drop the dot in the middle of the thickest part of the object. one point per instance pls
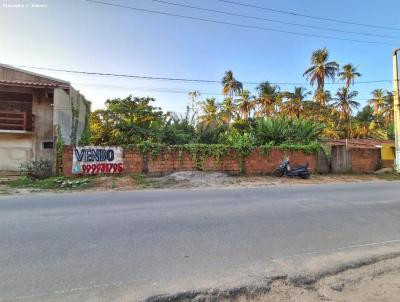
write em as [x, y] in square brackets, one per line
[59, 150]
[200, 152]
[75, 119]
[86, 134]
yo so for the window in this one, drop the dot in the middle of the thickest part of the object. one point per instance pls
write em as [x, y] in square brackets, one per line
[48, 145]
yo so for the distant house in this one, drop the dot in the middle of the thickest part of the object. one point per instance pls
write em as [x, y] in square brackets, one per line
[33, 109]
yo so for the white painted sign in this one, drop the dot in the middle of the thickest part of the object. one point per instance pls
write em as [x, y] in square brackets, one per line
[89, 160]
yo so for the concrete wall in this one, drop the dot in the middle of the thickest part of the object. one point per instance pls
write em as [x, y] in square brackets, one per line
[62, 115]
[14, 150]
[63, 112]
[17, 147]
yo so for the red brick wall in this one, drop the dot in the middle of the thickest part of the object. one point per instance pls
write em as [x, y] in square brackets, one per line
[258, 164]
[168, 163]
[254, 164]
[67, 161]
[365, 160]
[133, 162]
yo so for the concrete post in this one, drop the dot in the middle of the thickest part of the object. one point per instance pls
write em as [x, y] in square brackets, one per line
[396, 104]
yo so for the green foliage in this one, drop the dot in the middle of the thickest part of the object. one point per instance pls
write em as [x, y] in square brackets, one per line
[36, 169]
[75, 108]
[242, 143]
[59, 150]
[208, 134]
[390, 131]
[176, 131]
[49, 183]
[86, 133]
[126, 121]
[85, 137]
[285, 130]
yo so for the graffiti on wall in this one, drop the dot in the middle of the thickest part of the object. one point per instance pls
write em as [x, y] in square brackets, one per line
[97, 160]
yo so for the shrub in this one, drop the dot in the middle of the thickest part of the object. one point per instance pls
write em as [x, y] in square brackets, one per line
[36, 169]
[285, 130]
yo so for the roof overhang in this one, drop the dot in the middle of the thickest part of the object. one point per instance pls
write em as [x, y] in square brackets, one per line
[33, 84]
[62, 82]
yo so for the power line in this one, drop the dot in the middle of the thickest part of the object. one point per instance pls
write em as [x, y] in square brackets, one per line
[238, 24]
[308, 16]
[165, 89]
[273, 20]
[180, 79]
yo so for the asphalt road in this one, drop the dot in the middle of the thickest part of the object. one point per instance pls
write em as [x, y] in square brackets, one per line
[123, 246]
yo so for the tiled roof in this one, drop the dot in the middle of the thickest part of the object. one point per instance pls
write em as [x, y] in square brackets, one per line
[32, 84]
[359, 143]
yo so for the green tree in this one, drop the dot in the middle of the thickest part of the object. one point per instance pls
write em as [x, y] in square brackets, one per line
[231, 86]
[377, 101]
[363, 122]
[322, 97]
[268, 98]
[126, 121]
[246, 104]
[387, 109]
[294, 104]
[228, 110]
[209, 110]
[344, 105]
[320, 68]
[348, 74]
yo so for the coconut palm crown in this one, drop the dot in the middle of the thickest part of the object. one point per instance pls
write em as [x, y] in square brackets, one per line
[231, 86]
[348, 74]
[321, 69]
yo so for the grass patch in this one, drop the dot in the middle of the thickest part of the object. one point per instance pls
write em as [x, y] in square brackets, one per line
[51, 183]
[142, 181]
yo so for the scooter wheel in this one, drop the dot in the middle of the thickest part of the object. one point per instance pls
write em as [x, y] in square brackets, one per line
[305, 176]
[278, 173]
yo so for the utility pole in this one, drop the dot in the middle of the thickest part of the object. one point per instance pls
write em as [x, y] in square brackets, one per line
[396, 104]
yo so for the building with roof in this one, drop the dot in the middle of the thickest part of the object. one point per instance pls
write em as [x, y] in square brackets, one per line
[34, 109]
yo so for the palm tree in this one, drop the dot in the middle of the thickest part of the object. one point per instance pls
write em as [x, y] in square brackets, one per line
[193, 107]
[231, 86]
[348, 74]
[344, 105]
[210, 112]
[387, 108]
[228, 110]
[322, 97]
[268, 97]
[377, 100]
[364, 122]
[320, 68]
[246, 104]
[295, 101]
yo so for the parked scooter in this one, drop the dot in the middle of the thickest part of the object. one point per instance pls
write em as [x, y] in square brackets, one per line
[284, 169]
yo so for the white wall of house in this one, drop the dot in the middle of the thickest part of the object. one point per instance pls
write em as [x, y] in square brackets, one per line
[14, 150]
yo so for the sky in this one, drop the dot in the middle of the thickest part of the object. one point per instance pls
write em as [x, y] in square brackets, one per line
[87, 36]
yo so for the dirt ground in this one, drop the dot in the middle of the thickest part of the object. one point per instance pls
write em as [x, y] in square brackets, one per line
[196, 179]
[375, 282]
[378, 281]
